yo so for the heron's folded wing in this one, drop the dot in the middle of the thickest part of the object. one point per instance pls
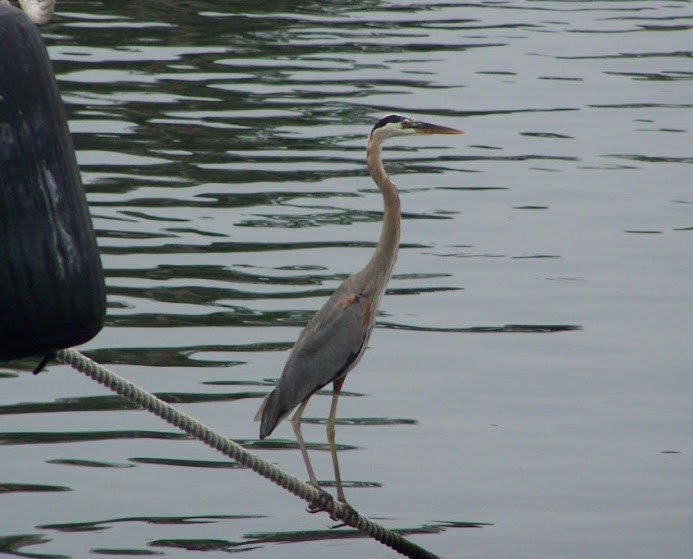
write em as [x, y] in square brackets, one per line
[329, 346]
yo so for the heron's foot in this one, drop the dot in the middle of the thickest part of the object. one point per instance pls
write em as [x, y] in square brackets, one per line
[351, 518]
[324, 500]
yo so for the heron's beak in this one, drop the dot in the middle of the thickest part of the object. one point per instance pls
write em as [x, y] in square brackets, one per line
[427, 128]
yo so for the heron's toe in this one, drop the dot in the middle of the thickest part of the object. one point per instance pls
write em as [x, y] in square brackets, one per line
[322, 503]
[351, 518]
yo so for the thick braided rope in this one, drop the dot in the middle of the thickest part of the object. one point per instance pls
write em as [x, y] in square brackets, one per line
[229, 448]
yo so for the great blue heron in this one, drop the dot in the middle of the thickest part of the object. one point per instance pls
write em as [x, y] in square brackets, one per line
[334, 340]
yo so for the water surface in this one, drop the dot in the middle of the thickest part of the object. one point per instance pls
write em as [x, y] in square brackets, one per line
[526, 391]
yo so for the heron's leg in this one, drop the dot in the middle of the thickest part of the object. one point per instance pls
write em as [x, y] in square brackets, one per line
[336, 389]
[296, 426]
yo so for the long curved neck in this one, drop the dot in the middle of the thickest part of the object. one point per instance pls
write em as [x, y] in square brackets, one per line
[380, 266]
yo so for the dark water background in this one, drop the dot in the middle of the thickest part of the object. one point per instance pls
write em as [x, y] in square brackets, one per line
[527, 391]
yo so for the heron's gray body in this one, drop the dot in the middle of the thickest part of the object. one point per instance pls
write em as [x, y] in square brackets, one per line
[331, 344]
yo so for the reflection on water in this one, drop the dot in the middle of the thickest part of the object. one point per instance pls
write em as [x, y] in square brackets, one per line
[47, 437]
[249, 541]
[222, 149]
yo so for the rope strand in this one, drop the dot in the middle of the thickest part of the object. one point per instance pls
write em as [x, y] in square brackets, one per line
[316, 498]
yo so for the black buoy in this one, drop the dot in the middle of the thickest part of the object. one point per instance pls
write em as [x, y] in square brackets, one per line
[52, 292]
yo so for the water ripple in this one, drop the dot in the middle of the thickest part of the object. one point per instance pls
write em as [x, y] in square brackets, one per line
[221, 146]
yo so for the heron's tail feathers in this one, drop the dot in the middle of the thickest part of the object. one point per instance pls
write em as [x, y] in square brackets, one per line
[269, 414]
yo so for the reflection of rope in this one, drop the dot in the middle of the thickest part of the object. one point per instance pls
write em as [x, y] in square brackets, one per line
[184, 422]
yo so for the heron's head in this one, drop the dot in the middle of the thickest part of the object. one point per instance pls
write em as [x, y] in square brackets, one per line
[397, 125]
